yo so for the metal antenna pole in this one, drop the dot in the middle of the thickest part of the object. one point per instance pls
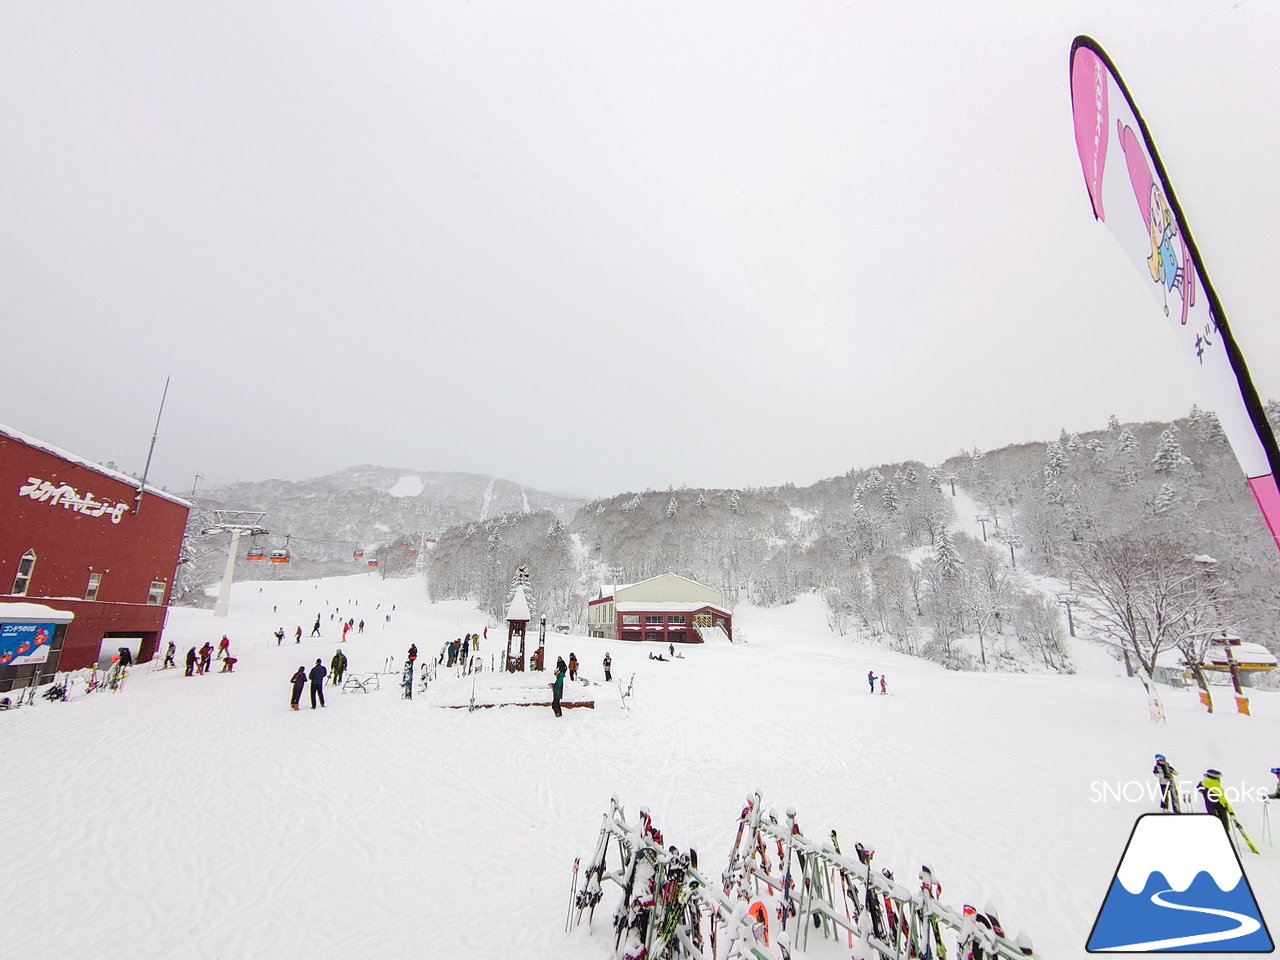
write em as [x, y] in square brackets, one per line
[137, 501]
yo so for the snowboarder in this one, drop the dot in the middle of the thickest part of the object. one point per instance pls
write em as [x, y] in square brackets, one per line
[557, 687]
[297, 634]
[125, 658]
[345, 628]
[884, 687]
[608, 663]
[168, 656]
[486, 633]
[1215, 798]
[871, 681]
[671, 648]
[229, 664]
[298, 680]
[318, 673]
[361, 630]
[475, 643]
[337, 667]
[206, 657]
[573, 666]
[191, 661]
[413, 651]
[1167, 777]
[657, 656]
[315, 630]
[280, 635]
[224, 647]
[1276, 794]
[466, 648]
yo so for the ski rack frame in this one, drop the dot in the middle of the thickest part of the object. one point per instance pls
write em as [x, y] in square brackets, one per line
[916, 913]
[860, 885]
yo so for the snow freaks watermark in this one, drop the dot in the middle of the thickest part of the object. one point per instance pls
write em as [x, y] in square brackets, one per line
[1136, 791]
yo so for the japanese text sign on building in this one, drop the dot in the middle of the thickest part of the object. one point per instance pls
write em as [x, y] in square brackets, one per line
[25, 643]
[66, 496]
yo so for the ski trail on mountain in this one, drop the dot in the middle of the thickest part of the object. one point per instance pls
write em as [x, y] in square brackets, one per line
[524, 497]
[488, 498]
[1247, 926]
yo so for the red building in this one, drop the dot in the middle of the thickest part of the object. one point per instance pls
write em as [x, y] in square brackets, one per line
[667, 608]
[71, 538]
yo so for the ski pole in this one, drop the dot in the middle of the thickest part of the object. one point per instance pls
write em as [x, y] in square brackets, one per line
[573, 890]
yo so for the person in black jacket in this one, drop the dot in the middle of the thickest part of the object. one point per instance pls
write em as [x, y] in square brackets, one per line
[318, 673]
[608, 665]
[298, 680]
[191, 660]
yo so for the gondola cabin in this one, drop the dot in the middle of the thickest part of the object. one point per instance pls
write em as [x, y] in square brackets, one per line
[257, 553]
[279, 556]
[357, 555]
[373, 563]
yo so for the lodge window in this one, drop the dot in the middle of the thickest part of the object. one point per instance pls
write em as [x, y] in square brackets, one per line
[91, 591]
[653, 618]
[631, 618]
[650, 635]
[676, 636]
[26, 566]
[157, 592]
[676, 618]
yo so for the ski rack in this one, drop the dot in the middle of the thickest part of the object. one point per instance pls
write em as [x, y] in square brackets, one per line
[665, 900]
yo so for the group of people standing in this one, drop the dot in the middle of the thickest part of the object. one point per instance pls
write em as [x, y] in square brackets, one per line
[316, 675]
[460, 650]
[201, 661]
[871, 682]
[1210, 788]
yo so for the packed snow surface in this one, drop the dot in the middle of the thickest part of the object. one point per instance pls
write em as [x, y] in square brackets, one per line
[198, 817]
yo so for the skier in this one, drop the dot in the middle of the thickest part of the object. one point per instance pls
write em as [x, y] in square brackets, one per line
[337, 667]
[168, 656]
[1215, 798]
[671, 648]
[608, 663]
[318, 673]
[297, 634]
[871, 681]
[125, 658]
[486, 633]
[229, 664]
[206, 657]
[573, 666]
[224, 647]
[884, 688]
[1167, 777]
[191, 661]
[315, 630]
[466, 648]
[475, 643]
[361, 630]
[345, 628]
[413, 651]
[557, 687]
[1276, 794]
[298, 680]
[280, 635]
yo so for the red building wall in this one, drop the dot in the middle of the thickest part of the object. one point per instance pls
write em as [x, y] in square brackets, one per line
[38, 512]
[663, 631]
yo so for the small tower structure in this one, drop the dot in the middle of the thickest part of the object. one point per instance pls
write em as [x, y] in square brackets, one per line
[518, 617]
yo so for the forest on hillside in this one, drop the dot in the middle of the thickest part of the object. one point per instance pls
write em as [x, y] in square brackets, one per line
[880, 545]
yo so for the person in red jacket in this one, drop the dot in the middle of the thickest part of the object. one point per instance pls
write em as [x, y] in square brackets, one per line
[224, 647]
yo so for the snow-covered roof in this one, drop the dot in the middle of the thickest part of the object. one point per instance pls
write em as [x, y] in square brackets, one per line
[519, 606]
[88, 464]
[1245, 654]
[669, 606]
[608, 590]
[11, 612]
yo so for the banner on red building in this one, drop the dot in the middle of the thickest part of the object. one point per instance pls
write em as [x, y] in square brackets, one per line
[23, 643]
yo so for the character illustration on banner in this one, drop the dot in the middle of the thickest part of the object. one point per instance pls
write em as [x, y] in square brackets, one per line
[1165, 264]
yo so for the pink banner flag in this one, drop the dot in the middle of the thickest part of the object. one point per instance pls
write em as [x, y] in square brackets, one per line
[1131, 194]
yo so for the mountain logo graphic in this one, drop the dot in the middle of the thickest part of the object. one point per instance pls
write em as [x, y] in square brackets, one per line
[1179, 887]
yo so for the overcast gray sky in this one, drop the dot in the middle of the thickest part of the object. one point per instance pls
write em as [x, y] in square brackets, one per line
[602, 246]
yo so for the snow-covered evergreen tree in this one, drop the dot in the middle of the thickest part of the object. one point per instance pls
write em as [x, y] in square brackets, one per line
[1166, 499]
[947, 557]
[735, 502]
[701, 502]
[1169, 457]
[1113, 424]
[673, 508]
[1074, 442]
[890, 498]
[631, 504]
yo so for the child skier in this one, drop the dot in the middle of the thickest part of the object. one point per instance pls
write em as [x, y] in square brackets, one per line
[1167, 777]
[1215, 798]
[168, 656]
[883, 685]
[299, 680]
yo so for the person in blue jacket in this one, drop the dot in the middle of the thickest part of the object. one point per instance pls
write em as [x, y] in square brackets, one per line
[318, 673]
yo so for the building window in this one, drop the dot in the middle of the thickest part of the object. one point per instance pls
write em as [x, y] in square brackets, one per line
[91, 591]
[676, 618]
[26, 566]
[631, 618]
[157, 592]
[653, 618]
[676, 636]
[650, 635]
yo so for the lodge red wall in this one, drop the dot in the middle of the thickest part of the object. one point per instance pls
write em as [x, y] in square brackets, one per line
[70, 545]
